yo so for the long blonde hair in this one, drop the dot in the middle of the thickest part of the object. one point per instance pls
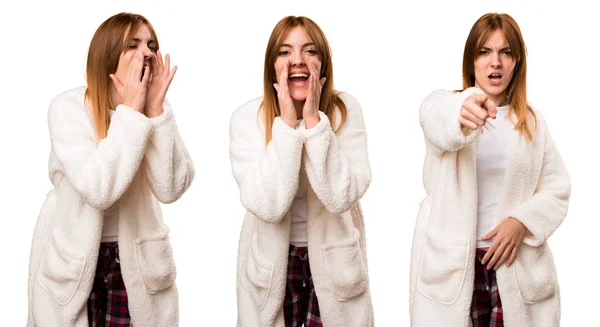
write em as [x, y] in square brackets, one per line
[109, 42]
[330, 99]
[516, 90]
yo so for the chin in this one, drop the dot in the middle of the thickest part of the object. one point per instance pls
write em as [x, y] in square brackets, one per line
[298, 96]
[494, 90]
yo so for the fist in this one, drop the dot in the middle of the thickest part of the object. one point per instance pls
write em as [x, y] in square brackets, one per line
[475, 110]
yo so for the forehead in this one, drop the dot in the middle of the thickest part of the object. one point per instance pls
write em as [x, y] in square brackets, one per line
[496, 39]
[297, 36]
[143, 32]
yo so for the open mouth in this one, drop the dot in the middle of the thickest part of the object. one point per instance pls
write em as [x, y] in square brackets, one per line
[146, 64]
[495, 78]
[298, 79]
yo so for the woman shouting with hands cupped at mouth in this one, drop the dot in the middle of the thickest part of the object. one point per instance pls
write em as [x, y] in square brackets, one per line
[146, 79]
[497, 188]
[299, 157]
[299, 82]
[101, 254]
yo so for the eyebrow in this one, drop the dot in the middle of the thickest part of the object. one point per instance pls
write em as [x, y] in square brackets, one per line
[501, 49]
[135, 39]
[304, 45]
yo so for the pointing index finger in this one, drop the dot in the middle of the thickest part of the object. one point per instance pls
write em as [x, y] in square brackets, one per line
[490, 106]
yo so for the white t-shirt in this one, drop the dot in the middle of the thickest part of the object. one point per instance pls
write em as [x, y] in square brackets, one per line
[491, 168]
[299, 208]
[110, 228]
[299, 212]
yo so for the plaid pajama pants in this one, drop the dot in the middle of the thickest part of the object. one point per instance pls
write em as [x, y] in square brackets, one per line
[486, 307]
[300, 304]
[107, 304]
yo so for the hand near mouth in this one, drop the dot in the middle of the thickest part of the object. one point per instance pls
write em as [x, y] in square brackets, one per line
[159, 83]
[474, 112]
[133, 90]
[286, 104]
[310, 111]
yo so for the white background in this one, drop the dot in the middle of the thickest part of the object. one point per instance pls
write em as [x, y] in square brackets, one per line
[389, 57]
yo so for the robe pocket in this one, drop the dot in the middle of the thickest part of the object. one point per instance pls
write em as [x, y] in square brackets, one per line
[345, 268]
[257, 275]
[154, 259]
[61, 268]
[534, 273]
[443, 269]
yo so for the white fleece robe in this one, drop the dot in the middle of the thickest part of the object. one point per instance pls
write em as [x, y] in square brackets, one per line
[338, 171]
[536, 191]
[141, 160]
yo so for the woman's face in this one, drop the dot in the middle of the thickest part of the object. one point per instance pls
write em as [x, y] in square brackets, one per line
[494, 67]
[142, 41]
[297, 51]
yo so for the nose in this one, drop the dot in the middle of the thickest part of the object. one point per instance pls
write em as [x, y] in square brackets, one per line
[148, 54]
[298, 59]
[495, 60]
